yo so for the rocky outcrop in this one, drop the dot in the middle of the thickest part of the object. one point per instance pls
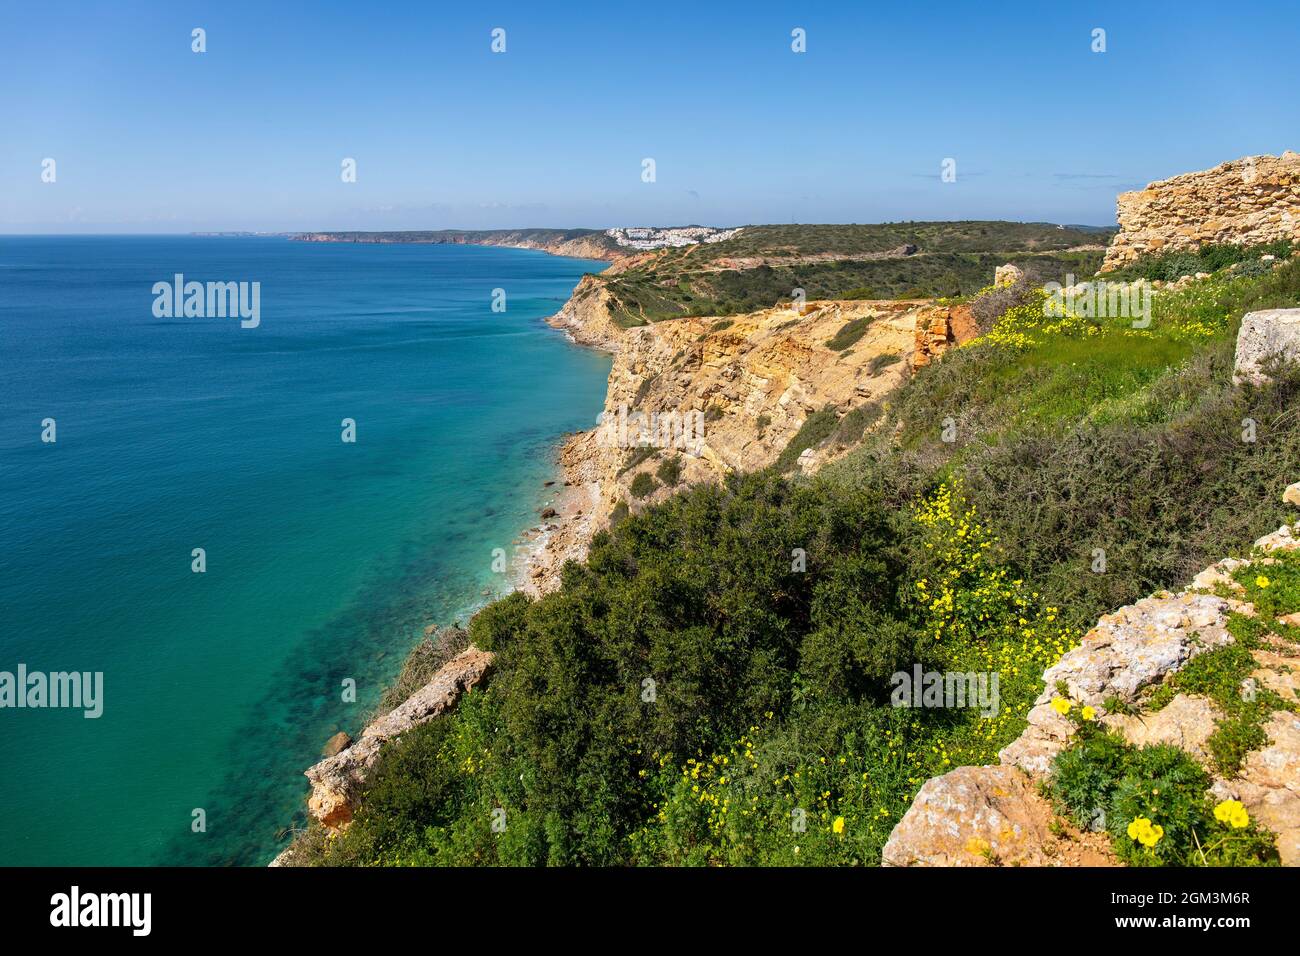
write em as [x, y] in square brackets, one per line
[988, 816]
[1292, 494]
[586, 316]
[1127, 651]
[1008, 274]
[337, 781]
[974, 816]
[941, 328]
[1186, 722]
[1273, 334]
[1247, 201]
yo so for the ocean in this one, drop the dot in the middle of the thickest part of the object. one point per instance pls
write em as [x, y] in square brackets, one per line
[324, 559]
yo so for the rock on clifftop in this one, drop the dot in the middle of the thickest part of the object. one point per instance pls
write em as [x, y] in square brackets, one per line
[1264, 336]
[1247, 201]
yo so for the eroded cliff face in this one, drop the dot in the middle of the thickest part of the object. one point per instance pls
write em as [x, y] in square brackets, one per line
[586, 316]
[1247, 201]
[584, 248]
[736, 390]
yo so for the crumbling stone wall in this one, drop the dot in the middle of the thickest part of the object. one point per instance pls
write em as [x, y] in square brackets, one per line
[1247, 201]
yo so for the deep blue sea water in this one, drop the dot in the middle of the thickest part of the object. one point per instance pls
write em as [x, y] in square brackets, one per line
[325, 560]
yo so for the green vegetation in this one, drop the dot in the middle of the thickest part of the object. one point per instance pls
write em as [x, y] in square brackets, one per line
[643, 484]
[669, 471]
[1224, 673]
[1208, 258]
[856, 422]
[1152, 801]
[691, 687]
[849, 333]
[817, 427]
[846, 240]
[718, 672]
[763, 264]
[638, 455]
[1220, 675]
[883, 361]
[1096, 435]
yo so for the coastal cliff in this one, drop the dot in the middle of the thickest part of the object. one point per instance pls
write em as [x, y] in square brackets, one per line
[575, 243]
[586, 316]
[804, 383]
[853, 383]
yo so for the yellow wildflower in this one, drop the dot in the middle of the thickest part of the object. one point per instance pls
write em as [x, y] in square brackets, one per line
[1145, 832]
[1232, 813]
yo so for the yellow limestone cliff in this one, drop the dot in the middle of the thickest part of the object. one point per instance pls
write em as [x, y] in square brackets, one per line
[737, 388]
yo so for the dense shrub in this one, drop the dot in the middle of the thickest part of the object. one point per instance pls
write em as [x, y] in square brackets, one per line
[856, 422]
[1116, 439]
[815, 429]
[643, 484]
[849, 333]
[669, 471]
[721, 661]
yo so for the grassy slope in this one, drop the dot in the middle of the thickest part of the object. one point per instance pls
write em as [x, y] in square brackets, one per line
[771, 683]
[1123, 440]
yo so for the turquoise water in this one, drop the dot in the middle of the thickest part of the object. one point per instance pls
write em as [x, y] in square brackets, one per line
[325, 560]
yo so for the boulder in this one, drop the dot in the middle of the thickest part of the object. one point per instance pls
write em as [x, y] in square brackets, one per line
[1292, 494]
[1007, 274]
[1138, 645]
[336, 744]
[1218, 575]
[989, 816]
[1128, 650]
[973, 816]
[1272, 333]
[1283, 539]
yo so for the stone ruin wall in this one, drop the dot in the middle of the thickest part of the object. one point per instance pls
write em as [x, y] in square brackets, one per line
[1247, 201]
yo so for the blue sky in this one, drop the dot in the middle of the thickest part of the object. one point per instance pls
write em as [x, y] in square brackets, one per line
[151, 137]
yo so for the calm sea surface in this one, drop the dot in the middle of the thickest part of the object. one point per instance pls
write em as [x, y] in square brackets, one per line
[325, 560]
